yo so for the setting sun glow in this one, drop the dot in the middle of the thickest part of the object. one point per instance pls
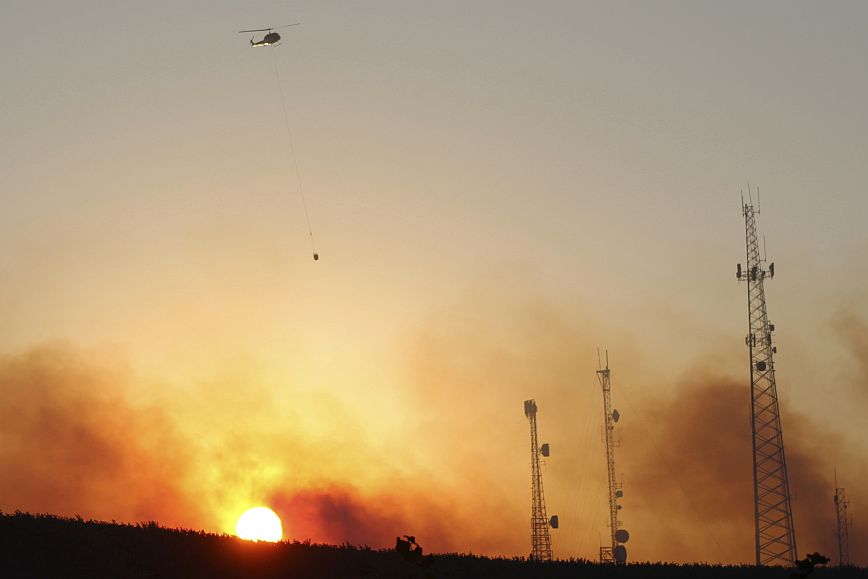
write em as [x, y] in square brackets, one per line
[259, 524]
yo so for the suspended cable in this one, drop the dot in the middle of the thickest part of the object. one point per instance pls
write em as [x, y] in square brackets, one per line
[292, 154]
[580, 524]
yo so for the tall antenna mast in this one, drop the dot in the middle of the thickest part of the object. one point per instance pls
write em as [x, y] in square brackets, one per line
[541, 540]
[615, 552]
[842, 525]
[773, 513]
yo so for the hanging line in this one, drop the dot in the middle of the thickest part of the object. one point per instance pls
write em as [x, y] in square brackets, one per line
[292, 154]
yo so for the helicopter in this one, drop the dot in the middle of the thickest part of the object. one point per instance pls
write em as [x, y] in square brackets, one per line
[271, 38]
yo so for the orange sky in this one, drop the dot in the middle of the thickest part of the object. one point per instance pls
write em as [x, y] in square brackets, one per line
[496, 190]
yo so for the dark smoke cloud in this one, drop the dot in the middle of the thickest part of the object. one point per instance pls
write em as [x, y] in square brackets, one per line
[691, 473]
[71, 443]
[687, 459]
[338, 514]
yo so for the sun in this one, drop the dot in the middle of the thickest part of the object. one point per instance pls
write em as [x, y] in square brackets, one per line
[259, 524]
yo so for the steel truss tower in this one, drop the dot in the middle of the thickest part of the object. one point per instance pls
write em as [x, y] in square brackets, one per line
[773, 514]
[615, 552]
[842, 525]
[541, 540]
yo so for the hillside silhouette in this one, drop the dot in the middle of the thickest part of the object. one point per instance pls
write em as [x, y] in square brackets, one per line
[50, 546]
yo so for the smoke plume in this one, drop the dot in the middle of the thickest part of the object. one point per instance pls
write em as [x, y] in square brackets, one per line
[71, 443]
[451, 468]
[691, 473]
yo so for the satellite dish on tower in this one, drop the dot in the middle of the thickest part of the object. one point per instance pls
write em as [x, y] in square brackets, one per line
[544, 450]
[553, 522]
[620, 553]
[619, 493]
[622, 536]
[616, 415]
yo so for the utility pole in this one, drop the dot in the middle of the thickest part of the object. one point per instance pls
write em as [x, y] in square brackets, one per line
[541, 540]
[615, 552]
[773, 513]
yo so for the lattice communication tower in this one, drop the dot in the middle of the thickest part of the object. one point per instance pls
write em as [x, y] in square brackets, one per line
[842, 525]
[615, 552]
[541, 540]
[773, 514]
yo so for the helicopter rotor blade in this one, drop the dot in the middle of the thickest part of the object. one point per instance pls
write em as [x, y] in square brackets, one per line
[269, 29]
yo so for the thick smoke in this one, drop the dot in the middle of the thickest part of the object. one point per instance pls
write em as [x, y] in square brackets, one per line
[71, 443]
[691, 473]
[338, 515]
[689, 468]
[686, 453]
[454, 473]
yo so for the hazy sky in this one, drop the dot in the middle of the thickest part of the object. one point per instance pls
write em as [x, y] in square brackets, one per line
[495, 188]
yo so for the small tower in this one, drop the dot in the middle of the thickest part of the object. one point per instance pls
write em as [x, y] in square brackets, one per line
[842, 525]
[774, 533]
[541, 540]
[615, 552]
